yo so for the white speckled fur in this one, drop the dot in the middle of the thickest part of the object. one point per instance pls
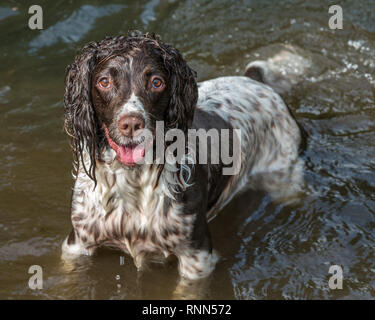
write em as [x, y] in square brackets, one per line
[270, 136]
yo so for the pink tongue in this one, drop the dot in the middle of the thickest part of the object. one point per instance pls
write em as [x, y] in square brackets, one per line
[130, 155]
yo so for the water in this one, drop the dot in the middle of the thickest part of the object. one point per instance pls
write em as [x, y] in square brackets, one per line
[269, 250]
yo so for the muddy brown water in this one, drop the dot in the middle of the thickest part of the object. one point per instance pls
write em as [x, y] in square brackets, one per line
[268, 250]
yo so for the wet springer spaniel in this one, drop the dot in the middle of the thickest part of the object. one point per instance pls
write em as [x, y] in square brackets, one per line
[117, 88]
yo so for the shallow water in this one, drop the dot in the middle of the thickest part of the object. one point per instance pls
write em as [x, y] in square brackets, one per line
[268, 250]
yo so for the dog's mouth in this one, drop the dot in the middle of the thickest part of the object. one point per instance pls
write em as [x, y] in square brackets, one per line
[129, 154]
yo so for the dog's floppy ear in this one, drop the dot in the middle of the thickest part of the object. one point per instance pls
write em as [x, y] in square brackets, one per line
[184, 91]
[80, 120]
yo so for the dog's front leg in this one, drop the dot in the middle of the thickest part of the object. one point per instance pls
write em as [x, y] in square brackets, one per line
[74, 246]
[197, 264]
[83, 240]
[195, 268]
[196, 260]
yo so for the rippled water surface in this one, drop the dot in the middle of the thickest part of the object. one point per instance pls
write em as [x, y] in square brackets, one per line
[269, 250]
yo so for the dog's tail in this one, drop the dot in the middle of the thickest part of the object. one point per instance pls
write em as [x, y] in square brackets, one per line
[281, 71]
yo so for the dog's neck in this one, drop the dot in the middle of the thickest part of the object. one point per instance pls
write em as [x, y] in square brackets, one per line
[168, 178]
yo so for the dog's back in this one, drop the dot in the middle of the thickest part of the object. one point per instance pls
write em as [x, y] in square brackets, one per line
[269, 136]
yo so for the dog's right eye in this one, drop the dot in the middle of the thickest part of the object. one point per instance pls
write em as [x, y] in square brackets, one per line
[104, 83]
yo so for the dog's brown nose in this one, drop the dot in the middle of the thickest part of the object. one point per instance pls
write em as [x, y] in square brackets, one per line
[130, 125]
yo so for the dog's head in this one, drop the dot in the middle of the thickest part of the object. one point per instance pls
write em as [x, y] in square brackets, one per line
[120, 86]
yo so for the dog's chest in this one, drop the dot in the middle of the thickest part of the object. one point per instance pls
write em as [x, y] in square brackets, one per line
[138, 216]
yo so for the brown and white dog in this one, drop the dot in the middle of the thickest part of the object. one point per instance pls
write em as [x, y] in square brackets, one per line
[123, 85]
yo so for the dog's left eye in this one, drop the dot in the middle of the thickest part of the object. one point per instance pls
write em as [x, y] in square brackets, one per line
[157, 83]
[104, 83]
